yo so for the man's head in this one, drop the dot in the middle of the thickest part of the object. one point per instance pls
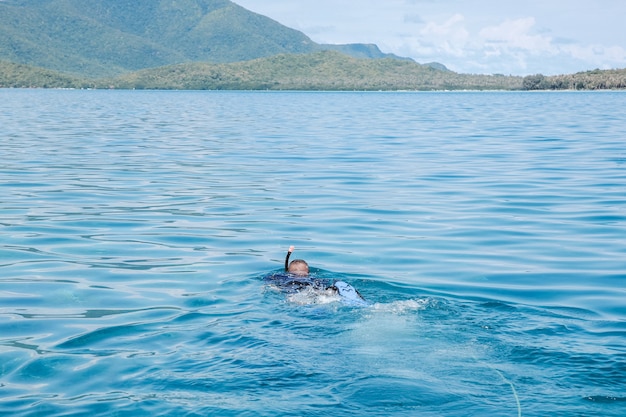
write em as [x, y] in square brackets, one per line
[298, 267]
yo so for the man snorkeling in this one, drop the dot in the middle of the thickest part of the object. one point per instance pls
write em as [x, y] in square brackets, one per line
[297, 279]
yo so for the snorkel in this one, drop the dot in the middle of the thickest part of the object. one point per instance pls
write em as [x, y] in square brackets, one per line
[291, 248]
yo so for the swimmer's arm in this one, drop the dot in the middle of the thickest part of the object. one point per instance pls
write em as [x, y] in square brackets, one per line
[291, 248]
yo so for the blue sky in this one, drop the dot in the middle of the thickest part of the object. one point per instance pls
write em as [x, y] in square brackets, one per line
[470, 36]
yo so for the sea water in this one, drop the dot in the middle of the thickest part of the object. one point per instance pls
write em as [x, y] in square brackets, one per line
[487, 232]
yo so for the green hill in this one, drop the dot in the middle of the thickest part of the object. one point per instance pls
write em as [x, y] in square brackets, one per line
[25, 76]
[98, 38]
[326, 70]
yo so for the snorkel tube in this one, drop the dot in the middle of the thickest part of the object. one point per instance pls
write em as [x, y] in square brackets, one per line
[291, 248]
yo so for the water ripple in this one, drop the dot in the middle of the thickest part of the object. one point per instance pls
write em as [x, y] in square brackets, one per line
[485, 229]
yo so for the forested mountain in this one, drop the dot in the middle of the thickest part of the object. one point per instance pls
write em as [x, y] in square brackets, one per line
[325, 70]
[213, 44]
[97, 38]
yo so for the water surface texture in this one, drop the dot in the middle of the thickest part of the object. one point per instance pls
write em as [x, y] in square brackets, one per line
[486, 230]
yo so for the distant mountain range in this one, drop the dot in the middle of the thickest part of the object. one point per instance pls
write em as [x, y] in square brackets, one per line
[100, 38]
[214, 44]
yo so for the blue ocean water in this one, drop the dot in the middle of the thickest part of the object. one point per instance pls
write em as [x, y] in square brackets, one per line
[486, 230]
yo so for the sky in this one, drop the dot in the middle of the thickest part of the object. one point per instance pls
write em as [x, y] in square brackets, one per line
[520, 37]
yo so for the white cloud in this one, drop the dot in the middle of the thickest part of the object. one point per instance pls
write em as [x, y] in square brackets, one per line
[449, 37]
[516, 34]
[606, 56]
[485, 36]
[511, 46]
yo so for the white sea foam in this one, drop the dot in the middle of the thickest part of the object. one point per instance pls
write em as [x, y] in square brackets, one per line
[310, 295]
[403, 306]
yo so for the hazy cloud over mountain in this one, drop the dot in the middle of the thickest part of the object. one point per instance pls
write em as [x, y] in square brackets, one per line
[481, 36]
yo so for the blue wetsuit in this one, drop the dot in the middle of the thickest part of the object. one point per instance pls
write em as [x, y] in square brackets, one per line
[291, 283]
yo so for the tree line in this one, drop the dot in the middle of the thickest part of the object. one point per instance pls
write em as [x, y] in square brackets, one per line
[588, 80]
[325, 70]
